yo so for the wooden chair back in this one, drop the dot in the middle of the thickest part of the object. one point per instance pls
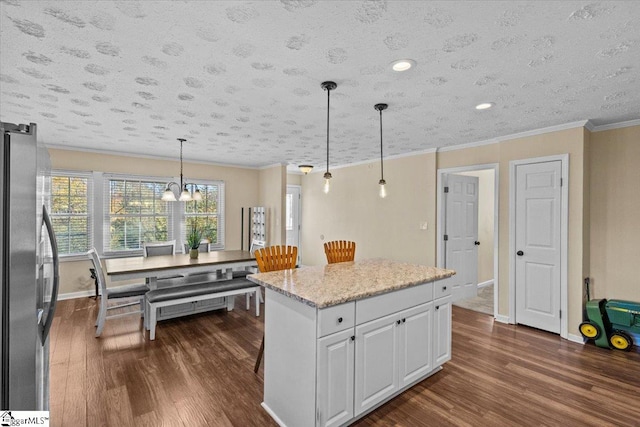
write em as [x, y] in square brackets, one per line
[274, 258]
[340, 251]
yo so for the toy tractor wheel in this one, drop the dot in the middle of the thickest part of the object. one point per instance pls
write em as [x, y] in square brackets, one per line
[590, 331]
[621, 340]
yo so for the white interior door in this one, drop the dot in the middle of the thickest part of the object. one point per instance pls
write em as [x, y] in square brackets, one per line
[293, 217]
[538, 252]
[461, 229]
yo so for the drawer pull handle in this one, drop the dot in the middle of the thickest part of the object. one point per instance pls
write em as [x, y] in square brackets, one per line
[444, 288]
[404, 320]
[339, 319]
[353, 337]
[437, 307]
[398, 321]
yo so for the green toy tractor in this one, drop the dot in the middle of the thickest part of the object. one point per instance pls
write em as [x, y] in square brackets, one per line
[612, 323]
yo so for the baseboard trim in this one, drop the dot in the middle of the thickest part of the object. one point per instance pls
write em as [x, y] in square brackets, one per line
[74, 295]
[576, 338]
[485, 284]
[502, 318]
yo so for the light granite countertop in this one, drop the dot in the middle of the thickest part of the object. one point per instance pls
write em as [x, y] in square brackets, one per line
[333, 284]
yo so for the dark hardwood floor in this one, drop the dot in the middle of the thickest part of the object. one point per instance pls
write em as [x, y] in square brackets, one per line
[199, 372]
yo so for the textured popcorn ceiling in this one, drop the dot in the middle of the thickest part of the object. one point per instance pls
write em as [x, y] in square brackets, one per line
[241, 80]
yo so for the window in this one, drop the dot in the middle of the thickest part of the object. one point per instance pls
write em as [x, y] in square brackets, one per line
[207, 213]
[71, 211]
[134, 213]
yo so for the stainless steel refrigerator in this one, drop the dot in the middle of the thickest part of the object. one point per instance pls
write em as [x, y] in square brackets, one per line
[28, 267]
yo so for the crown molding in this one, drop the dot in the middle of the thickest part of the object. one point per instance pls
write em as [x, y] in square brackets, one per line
[144, 156]
[629, 123]
[275, 165]
[565, 126]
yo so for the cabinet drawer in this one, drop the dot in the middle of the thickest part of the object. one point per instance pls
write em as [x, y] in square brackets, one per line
[441, 288]
[336, 318]
[392, 302]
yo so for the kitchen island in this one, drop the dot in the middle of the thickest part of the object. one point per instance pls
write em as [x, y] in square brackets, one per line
[342, 339]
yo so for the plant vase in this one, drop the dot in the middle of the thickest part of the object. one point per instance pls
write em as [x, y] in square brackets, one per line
[193, 253]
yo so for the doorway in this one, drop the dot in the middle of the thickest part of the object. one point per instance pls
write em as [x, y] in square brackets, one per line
[483, 227]
[538, 218]
[293, 217]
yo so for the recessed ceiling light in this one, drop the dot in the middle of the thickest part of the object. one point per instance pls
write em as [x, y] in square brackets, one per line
[402, 64]
[484, 106]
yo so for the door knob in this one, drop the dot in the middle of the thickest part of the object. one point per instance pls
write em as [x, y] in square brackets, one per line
[476, 243]
[519, 253]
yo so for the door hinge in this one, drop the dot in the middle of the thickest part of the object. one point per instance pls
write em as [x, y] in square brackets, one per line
[561, 314]
[560, 182]
[446, 237]
[446, 189]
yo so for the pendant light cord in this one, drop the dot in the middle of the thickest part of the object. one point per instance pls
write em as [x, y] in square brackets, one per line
[181, 184]
[381, 162]
[328, 104]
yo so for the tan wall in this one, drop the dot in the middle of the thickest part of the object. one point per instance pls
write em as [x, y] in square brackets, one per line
[569, 141]
[352, 210]
[615, 213]
[390, 227]
[486, 209]
[294, 179]
[273, 191]
[241, 189]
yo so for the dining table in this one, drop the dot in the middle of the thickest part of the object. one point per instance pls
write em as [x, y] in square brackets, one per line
[157, 267]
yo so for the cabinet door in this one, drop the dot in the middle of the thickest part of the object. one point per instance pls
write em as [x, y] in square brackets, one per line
[415, 346]
[442, 330]
[335, 378]
[376, 362]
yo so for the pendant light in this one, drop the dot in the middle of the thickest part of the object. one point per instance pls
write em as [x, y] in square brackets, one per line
[328, 86]
[382, 182]
[185, 194]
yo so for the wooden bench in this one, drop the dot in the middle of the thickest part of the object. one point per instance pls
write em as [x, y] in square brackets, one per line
[181, 294]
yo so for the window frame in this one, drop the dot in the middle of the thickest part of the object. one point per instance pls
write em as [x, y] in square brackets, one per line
[220, 245]
[106, 214]
[90, 209]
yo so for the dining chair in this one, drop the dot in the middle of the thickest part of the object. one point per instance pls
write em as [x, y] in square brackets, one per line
[118, 292]
[340, 251]
[237, 274]
[274, 258]
[255, 245]
[168, 247]
[204, 247]
[159, 248]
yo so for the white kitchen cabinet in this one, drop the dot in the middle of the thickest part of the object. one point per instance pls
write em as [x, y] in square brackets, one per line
[442, 330]
[376, 361]
[335, 378]
[415, 355]
[330, 366]
[392, 352]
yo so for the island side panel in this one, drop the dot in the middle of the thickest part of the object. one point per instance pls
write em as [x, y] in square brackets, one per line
[289, 360]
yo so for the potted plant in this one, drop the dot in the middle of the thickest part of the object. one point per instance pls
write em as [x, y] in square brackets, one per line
[193, 240]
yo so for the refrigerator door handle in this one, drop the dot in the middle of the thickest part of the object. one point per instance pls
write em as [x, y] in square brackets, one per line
[44, 333]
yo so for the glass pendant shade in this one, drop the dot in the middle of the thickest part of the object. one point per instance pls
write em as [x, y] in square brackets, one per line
[168, 195]
[197, 196]
[185, 196]
[383, 190]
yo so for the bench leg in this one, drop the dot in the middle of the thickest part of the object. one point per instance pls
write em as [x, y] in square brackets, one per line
[230, 302]
[257, 302]
[247, 298]
[152, 321]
